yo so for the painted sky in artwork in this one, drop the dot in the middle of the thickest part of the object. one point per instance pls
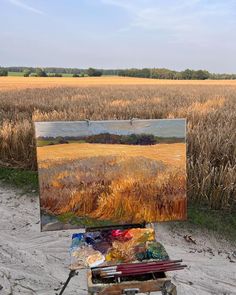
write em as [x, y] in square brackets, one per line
[161, 128]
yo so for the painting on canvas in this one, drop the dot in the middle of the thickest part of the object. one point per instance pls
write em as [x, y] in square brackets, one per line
[98, 173]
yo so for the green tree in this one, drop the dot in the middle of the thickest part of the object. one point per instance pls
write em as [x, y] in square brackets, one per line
[94, 73]
[40, 73]
[187, 74]
[26, 73]
[57, 75]
[201, 75]
[3, 72]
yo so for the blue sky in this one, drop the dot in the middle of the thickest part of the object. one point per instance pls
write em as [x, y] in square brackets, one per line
[119, 33]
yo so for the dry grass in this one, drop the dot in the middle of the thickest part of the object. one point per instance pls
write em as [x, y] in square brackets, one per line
[121, 183]
[210, 110]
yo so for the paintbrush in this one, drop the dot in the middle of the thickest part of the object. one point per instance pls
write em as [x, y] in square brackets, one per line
[139, 268]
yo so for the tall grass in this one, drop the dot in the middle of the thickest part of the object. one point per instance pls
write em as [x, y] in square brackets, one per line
[210, 110]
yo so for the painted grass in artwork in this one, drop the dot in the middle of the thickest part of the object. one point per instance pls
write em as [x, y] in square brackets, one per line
[120, 183]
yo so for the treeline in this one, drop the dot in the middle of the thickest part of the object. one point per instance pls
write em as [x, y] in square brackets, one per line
[3, 72]
[108, 138]
[57, 72]
[174, 75]
[47, 70]
[133, 139]
[152, 73]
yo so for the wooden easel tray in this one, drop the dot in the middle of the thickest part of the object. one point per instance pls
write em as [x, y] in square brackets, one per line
[148, 283]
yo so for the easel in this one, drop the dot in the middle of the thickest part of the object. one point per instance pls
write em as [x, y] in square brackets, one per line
[73, 273]
[164, 284]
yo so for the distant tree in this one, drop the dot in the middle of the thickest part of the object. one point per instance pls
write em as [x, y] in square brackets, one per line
[162, 74]
[94, 73]
[3, 72]
[75, 75]
[40, 73]
[33, 75]
[177, 76]
[61, 140]
[146, 139]
[129, 139]
[74, 71]
[54, 75]
[201, 75]
[144, 73]
[26, 73]
[187, 74]
[139, 139]
[103, 138]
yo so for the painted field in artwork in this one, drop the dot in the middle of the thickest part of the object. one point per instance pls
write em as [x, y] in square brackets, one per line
[114, 183]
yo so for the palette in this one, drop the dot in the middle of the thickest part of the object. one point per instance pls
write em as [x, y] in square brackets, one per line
[115, 246]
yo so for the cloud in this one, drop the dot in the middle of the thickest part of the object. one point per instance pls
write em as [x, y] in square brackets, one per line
[151, 14]
[25, 6]
[120, 3]
[178, 19]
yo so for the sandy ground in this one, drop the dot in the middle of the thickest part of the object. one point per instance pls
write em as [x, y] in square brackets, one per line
[36, 263]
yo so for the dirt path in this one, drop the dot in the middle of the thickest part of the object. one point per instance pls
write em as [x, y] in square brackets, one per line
[36, 263]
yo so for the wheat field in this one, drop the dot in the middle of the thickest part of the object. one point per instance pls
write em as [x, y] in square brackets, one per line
[209, 106]
[19, 83]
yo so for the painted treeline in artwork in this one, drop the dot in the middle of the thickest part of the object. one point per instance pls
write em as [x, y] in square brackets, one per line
[97, 173]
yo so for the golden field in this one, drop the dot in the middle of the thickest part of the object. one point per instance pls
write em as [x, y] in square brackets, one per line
[113, 182]
[18, 83]
[173, 154]
[209, 106]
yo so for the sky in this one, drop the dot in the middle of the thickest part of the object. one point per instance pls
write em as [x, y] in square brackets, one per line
[159, 127]
[180, 34]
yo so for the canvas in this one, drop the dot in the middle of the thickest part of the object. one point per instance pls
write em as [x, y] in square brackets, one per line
[99, 173]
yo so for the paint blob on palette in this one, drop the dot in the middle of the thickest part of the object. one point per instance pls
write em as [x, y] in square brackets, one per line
[104, 173]
[115, 246]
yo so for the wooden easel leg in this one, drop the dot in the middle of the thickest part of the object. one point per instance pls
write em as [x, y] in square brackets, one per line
[169, 289]
[71, 275]
[174, 291]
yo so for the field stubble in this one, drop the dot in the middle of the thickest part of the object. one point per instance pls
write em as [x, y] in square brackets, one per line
[210, 110]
